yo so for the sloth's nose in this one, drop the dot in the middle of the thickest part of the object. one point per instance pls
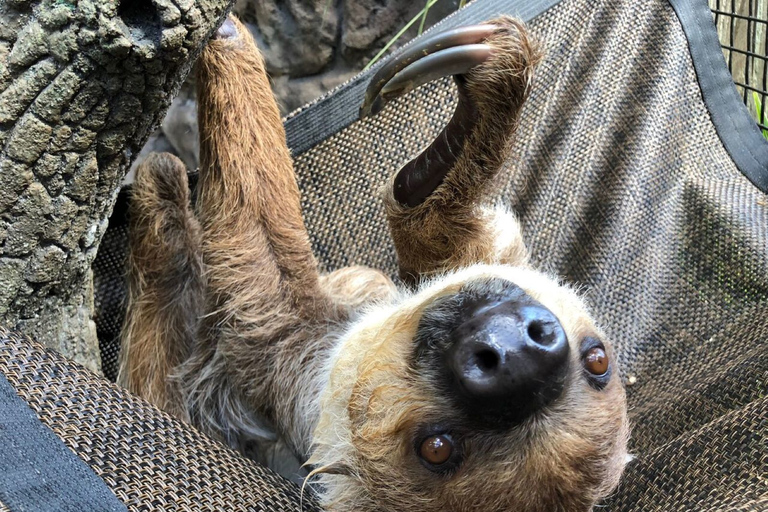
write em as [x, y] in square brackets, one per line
[509, 358]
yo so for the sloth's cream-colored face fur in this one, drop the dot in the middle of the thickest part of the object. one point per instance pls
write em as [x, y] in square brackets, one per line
[380, 402]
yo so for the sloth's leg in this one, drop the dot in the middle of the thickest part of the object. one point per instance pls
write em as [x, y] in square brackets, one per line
[265, 310]
[433, 203]
[255, 244]
[165, 283]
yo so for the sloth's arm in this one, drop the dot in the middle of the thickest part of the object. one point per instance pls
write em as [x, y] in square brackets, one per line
[255, 245]
[230, 301]
[165, 282]
[433, 206]
[265, 310]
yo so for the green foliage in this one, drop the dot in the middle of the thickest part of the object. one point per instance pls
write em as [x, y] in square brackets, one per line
[408, 25]
[759, 111]
[422, 14]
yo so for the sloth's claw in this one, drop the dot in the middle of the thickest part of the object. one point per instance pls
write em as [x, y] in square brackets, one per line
[454, 52]
[452, 61]
[227, 30]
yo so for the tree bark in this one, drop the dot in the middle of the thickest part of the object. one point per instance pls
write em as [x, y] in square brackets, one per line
[82, 85]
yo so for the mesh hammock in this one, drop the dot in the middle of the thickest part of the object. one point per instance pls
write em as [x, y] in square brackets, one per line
[637, 175]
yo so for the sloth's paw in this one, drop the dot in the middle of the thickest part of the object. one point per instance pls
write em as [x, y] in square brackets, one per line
[494, 61]
[228, 29]
[493, 66]
[161, 182]
[501, 82]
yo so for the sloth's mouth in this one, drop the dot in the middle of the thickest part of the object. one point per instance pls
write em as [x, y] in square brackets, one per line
[455, 53]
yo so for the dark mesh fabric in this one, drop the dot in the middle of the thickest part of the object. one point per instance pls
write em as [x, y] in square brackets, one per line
[149, 460]
[624, 189]
[109, 286]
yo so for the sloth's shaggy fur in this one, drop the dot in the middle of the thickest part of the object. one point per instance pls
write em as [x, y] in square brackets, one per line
[231, 326]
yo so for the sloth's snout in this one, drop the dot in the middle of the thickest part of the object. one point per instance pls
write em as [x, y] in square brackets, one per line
[508, 358]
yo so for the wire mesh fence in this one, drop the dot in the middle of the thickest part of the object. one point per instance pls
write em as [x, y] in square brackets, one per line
[742, 26]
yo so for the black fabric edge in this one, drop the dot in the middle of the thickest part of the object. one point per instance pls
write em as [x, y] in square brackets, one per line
[738, 132]
[39, 472]
[310, 125]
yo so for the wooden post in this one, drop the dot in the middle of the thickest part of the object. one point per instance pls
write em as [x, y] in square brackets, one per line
[82, 85]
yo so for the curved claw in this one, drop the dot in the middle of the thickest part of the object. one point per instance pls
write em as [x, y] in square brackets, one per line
[453, 61]
[227, 30]
[447, 53]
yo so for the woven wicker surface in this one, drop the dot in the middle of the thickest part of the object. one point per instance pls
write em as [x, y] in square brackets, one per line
[149, 460]
[624, 189]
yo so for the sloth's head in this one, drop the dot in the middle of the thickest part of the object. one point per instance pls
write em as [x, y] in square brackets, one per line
[490, 389]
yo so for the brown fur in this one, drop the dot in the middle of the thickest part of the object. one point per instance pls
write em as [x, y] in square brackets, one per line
[447, 230]
[326, 362]
[265, 308]
[165, 284]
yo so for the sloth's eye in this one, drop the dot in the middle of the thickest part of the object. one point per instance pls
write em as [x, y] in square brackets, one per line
[436, 450]
[597, 365]
[596, 361]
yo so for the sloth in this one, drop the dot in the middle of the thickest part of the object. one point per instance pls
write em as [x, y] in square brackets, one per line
[478, 383]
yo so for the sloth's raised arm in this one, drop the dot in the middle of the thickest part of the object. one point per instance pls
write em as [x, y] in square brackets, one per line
[255, 244]
[264, 307]
[434, 203]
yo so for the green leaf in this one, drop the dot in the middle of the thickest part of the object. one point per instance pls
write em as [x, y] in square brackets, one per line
[423, 17]
[429, 4]
[759, 112]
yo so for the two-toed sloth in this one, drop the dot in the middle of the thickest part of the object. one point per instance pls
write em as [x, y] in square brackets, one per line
[485, 385]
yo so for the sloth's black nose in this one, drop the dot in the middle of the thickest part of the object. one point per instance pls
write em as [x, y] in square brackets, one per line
[508, 357]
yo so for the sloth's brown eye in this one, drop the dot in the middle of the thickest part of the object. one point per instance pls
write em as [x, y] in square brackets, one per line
[436, 449]
[596, 361]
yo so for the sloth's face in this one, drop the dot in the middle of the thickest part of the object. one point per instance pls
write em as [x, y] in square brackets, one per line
[491, 389]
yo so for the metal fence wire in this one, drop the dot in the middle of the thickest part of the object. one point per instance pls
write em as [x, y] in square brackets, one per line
[742, 27]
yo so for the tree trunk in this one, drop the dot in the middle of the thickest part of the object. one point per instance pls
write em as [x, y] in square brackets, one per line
[82, 85]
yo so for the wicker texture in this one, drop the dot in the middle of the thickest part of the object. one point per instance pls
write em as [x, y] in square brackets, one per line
[624, 189]
[149, 460]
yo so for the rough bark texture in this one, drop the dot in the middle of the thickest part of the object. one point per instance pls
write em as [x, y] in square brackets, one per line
[82, 85]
